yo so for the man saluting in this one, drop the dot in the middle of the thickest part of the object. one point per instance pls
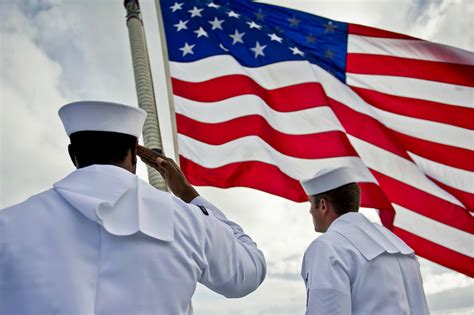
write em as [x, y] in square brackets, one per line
[356, 266]
[102, 241]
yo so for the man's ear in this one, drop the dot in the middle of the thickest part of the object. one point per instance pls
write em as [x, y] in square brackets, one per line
[324, 205]
[70, 149]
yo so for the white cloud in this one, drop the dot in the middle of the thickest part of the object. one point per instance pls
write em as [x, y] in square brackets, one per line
[30, 99]
[274, 297]
[438, 279]
[54, 53]
[436, 23]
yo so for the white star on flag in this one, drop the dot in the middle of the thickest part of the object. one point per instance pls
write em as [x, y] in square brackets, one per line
[181, 25]
[252, 24]
[258, 50]
[187, 49]
[195, 12]
[296, 51]
[233, 14]
[275, 37]
[176, 6]
[201, 32]
[213, 5]
[237, 37]
[216, 23]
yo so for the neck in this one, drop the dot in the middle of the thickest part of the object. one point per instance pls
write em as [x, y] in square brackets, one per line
[330, 220]
[121, 165]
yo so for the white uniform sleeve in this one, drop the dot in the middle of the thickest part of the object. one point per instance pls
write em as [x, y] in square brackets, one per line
[414, 285]
[235, 266]
[327, 281]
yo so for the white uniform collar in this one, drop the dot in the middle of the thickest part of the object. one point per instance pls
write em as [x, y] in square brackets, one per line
[369, 238]
[119, 201]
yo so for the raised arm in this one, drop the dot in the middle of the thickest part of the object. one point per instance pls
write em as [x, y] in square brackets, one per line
[234, 265]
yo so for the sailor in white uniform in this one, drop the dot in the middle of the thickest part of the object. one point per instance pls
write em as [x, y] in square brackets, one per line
[356, 266]
[102, 241]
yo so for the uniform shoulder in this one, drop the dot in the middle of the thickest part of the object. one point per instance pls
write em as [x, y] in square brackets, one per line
[331, 245]
[21, 215]
[327, 241]
[329, 249]
[32, 201]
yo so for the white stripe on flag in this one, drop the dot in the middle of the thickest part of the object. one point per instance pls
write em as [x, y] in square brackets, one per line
[270, 77]
[307, 121]
[408, 48]
[440, 92]
[428, 130]
[451, 176]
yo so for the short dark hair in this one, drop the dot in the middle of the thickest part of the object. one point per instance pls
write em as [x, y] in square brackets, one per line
[100, 147]
[343, 199]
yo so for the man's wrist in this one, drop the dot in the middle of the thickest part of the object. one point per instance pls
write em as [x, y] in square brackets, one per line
[188, 195]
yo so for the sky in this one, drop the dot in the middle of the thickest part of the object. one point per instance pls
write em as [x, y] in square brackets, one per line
[57, 51]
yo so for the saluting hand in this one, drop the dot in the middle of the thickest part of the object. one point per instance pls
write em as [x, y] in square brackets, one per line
[170, 171]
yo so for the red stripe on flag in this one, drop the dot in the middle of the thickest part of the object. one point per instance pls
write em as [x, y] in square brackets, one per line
[441, 153]
[268, 178]
[373, 32]
[448, 114]
[307, 146]
[404, 67]
[467, 199]
[425, 204]
[253, 174]
[437, 253]
[285, 99]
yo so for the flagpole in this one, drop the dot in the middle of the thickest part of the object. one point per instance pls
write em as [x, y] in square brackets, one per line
[144, 85]
[169, 90]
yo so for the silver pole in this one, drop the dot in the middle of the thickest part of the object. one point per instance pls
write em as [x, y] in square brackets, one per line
[144, 85]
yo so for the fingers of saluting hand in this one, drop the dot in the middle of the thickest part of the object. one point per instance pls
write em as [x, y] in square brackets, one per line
[149, 162]
[164, 165]
[146, 153]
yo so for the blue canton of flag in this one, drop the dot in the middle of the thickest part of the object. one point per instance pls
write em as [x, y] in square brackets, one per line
[255, 34]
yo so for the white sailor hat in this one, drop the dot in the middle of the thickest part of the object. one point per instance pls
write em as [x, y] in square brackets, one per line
[102, 116]
[327, 179]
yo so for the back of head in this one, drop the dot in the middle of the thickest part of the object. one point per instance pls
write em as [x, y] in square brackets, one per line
[100, 147]
[336, 185]
[343, 199]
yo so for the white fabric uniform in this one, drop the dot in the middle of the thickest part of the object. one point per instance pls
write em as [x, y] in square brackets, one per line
[360, 267]
[102, 241]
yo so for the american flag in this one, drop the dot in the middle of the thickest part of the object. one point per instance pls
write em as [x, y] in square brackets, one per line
[266, 96]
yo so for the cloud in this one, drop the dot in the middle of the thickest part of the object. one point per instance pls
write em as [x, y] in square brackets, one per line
[456, 301]
[30, 98]
[438, 279]
[436, 23]
[273, 297]
[54, 53]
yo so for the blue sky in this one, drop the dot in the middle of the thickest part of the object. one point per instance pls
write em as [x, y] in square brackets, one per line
[57, 51]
